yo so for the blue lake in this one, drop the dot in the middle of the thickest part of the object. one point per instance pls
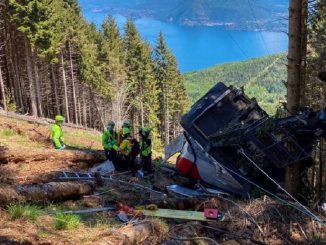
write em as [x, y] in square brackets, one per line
[201, 47]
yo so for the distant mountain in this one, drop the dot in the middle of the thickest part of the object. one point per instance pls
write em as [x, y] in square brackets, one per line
[235, 14]
[261, 77]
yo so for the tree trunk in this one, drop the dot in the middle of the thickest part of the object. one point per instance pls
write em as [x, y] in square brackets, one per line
[295, 79]
[132, 234]
[19, 80]
[79, 113]
[15, 76]
[38, 87]
[84, 108]
[65, 88]
[73, 84]
[3, 95]
[55, 91]
[166, 121]
[54, 191]
[141, 106]
[33, 102]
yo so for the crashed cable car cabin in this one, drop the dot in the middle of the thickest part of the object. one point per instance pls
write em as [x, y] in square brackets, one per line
[230, 141]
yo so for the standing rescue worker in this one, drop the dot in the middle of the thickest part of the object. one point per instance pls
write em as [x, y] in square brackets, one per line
[57, 133]
[146, 150]
[110, 142]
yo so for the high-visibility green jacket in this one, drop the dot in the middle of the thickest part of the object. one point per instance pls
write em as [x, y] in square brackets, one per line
[110, 140]
[121, 133]
[57, 136]
[145, 147]
[125, 147]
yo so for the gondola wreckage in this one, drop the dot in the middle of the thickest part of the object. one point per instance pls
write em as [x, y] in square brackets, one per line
[229, 146]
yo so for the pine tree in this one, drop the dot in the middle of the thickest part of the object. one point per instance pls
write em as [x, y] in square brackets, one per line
[67, 66]
[111, 54]
[141, 84]
[315, 90]
[132, 47]
[148, 94]
[316, 60]
[172, 96]
[54, 31]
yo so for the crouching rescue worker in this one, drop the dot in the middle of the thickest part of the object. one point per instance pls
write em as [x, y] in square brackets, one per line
[110, 143]
[57, 133]
[146, 150]
[125, 125]
[124, 149]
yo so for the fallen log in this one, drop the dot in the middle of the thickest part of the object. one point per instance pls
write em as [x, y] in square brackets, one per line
[37, 155]
[9, 195]
[132, 234]
[53, 191]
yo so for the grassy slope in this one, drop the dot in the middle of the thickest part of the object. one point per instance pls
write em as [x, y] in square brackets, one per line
[262, 78]
[22, 134]
[34, 159]
[31, 158]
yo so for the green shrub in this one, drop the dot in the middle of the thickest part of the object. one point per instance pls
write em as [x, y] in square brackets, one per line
[27, 212]
[8, 132]
[66, 221]
[12, 107]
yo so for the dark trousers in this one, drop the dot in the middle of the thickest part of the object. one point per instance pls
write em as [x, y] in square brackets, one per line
[133, 166]
[112, 156]
[122, 163]
[147, 164]
[127, 163]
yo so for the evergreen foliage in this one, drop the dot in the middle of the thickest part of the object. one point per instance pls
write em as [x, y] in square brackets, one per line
[314, 89]
[172, 95]
[262, 78]
[70, 67]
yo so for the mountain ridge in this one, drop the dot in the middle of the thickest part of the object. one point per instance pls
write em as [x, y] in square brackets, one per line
[235, 14]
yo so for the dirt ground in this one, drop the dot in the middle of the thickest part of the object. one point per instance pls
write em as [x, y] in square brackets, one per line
[27, 157]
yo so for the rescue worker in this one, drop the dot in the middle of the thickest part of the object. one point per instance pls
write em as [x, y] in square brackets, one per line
[124, 149]
[57, 133]
[129, 149]
[126, 124]
[146, 150]
[110, 142]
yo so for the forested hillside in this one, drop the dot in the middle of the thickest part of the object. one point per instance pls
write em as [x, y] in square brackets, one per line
[53, 62]
[240, 14]
[261, 77]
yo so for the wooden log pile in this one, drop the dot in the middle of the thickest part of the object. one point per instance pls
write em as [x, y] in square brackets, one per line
[42, 193]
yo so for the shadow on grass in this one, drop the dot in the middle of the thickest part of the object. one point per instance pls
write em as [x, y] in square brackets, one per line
[8, 241]
[83, 148]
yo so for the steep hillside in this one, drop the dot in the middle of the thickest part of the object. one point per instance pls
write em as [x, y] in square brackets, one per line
[239, 14]
[52, 61]
[262, 78]
[26, 164]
